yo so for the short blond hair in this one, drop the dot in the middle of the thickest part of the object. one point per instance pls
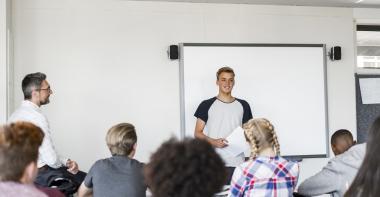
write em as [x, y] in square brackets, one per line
[121, 138]
[225, 69]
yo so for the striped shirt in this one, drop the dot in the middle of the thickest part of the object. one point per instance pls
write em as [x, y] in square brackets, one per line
[265, 176]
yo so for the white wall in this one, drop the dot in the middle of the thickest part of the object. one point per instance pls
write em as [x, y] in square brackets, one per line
[367, 16]
[4, 27]
[3, 68]
[106, 62]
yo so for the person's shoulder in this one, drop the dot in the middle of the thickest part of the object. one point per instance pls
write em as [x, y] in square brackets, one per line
[118, 160]
[357, 151]
[27, 116]
[209, 101]
[136, 163]
[246, 163]
[102, 163]
[204, 106]
[292, 165]
[287, 161]
[243, 167]
[358, 148]
[352, 157]
[242, 101]
[25, 112]
[17, 189]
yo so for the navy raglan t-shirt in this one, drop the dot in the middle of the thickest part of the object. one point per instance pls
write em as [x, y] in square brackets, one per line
[222, 118]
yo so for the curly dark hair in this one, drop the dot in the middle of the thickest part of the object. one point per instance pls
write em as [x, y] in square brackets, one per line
[185, 168]
[19, 143]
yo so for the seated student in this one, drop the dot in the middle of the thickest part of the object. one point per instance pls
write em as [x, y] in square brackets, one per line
[341, 141]
[337, 175]
[119, 175]
[367, 180]
[19, 143]
[188, 168]
[266, 173]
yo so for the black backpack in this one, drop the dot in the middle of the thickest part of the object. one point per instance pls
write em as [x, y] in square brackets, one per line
[65, 185]
[59, 179]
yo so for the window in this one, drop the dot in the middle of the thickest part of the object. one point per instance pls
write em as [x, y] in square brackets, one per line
[368, 46]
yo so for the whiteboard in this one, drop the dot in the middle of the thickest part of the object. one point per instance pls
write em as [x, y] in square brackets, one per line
[285, 83]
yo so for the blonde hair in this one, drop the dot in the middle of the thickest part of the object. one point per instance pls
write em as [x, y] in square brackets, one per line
[121, 138]
[260, 134]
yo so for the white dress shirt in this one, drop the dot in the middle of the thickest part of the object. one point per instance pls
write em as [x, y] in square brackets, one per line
[30, 112]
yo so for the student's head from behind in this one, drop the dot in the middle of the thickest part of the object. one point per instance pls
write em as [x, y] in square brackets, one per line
[260, 135]
[366, 182]
[185, 168]
[341, 141]
[121, 139]
[19, 144]
[225, 79]
[36, 88]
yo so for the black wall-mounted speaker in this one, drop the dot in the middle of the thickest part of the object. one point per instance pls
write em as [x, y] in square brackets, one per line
[335, 53]
[173, 52]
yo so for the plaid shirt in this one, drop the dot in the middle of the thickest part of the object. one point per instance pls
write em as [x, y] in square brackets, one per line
[265, 176]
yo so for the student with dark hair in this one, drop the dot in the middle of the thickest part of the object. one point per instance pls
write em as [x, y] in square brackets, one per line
[218, 116]
[37, 92]
[341, 141]
[119, 175]
[266, 173]
[336, 176]
[367, 180]
[188, 168]
[19, 143]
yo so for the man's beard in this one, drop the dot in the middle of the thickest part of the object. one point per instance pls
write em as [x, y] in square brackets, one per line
[44, 102]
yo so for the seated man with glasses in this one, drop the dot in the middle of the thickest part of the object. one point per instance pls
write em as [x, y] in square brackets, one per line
[36, 93]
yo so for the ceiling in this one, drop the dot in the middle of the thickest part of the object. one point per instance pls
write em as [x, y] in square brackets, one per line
[318, 3]
[364, 38]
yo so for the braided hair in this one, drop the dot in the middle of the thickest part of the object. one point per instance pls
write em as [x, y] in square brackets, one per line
[260, 134]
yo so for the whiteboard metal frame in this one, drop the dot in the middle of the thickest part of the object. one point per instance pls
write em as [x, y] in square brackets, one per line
[182, 93]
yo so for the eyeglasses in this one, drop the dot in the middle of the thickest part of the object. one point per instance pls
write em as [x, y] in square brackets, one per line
[48, 89]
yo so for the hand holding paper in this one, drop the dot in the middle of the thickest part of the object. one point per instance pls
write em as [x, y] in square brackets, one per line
[219, 143]
[236, 143]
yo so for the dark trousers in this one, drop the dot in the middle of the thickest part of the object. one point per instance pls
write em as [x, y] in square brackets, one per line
[230, 172]
[47, 174]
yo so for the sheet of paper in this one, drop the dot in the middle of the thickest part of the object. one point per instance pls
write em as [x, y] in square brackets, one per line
[225, 191]
[236, 143]
[370, 90]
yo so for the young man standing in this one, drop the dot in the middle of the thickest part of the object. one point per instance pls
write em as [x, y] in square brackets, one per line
[36, 93]
[217, 117]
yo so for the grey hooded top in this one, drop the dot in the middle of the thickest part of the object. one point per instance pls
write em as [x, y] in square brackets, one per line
[337, 175]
